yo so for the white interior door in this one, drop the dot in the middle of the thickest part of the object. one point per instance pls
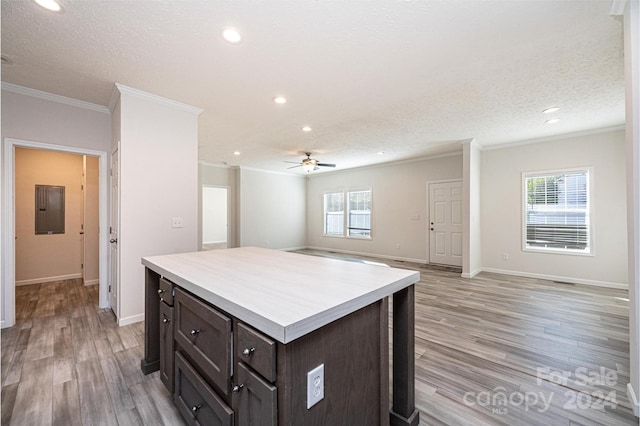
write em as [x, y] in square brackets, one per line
[114, 270]
[445, 220]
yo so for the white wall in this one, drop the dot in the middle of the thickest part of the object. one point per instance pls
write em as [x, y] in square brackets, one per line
[502, 208]
[34, 116]
[272, 210]
[158, 181]
[472, 234]
[399, 192]
[632, 90]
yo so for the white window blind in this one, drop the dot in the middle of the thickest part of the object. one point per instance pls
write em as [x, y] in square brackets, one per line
[556, 211]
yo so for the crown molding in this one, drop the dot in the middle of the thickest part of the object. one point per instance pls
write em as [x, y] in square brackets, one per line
[154, 98]
[553, 138]
[26, 91]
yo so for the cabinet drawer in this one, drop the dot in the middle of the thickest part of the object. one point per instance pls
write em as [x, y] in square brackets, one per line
[256, 350]
[197, 402]
[167, 350]
[205, 334]
[257, 399]
[166, 291]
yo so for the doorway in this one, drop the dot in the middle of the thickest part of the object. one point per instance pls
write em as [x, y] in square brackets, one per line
[215, 226]
[9, 221]
[445, 222]
[56, 216]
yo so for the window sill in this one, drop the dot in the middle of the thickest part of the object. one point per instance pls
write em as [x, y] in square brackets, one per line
[567, 252]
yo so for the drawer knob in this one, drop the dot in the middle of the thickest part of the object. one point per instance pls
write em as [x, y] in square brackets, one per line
[166, 320]
[237, 388]
[160, 291]
[195, 408]
[195, 331]
[248, 351]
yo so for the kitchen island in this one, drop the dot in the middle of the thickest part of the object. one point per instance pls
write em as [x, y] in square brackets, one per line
[259, 336]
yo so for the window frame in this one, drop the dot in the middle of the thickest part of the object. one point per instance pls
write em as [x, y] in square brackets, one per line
[589, 210]
[346, 212]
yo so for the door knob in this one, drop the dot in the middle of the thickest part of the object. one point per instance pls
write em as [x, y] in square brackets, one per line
[81, 232]
[113, 240]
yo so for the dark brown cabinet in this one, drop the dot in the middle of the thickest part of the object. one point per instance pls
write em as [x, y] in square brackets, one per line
[257, 399]
[167, 348]
[204, 334]
[222, 371]
[198, 404]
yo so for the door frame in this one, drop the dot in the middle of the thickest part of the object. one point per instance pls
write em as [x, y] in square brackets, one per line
[8, 248]
[428, 210]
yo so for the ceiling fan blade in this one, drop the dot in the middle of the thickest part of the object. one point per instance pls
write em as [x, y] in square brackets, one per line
[326, 165]
[292, 162]
[293, 167]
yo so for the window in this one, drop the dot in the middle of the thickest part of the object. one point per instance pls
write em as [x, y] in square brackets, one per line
[334, 213]
[556, 212]
[357, 221]
[359, 214]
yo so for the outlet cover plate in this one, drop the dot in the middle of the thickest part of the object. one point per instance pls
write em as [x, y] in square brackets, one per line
[315, 386]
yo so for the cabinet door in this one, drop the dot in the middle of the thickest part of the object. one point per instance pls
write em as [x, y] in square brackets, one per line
[257, 399]
[166, 346]
[205, 334]
[196, 401]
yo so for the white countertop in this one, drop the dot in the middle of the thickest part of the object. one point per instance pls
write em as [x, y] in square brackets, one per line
[284, 295]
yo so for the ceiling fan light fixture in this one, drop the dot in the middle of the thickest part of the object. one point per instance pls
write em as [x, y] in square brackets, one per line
[51, 5]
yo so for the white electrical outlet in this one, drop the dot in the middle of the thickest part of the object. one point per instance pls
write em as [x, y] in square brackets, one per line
[315, 386]
[176, 222]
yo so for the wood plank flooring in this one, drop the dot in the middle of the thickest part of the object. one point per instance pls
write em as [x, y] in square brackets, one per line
[67, 363]
[492, 350]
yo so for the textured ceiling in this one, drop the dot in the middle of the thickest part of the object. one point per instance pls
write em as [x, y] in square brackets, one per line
[411, 79]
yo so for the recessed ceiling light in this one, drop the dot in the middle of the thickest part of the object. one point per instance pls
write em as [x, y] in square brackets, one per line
[550, 110]
[280, 100]
[51, 5]
[306, 129]
[231, 35]
[552, 121]
[380, 152]
[236, 152]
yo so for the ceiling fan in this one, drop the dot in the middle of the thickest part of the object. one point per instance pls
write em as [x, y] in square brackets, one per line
[309, 164]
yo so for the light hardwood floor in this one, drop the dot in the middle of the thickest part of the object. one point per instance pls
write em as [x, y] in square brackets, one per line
[67, 363]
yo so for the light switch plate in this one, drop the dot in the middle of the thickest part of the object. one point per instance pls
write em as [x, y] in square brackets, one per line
[176, 222]
[315, 386]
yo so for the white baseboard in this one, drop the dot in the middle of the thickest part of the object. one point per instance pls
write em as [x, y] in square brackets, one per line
[130, 320]
[48, 279]
[381, 256]
[472, 274]
[571, 280]
[293, 248]
[92, 282]
[633, 400]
